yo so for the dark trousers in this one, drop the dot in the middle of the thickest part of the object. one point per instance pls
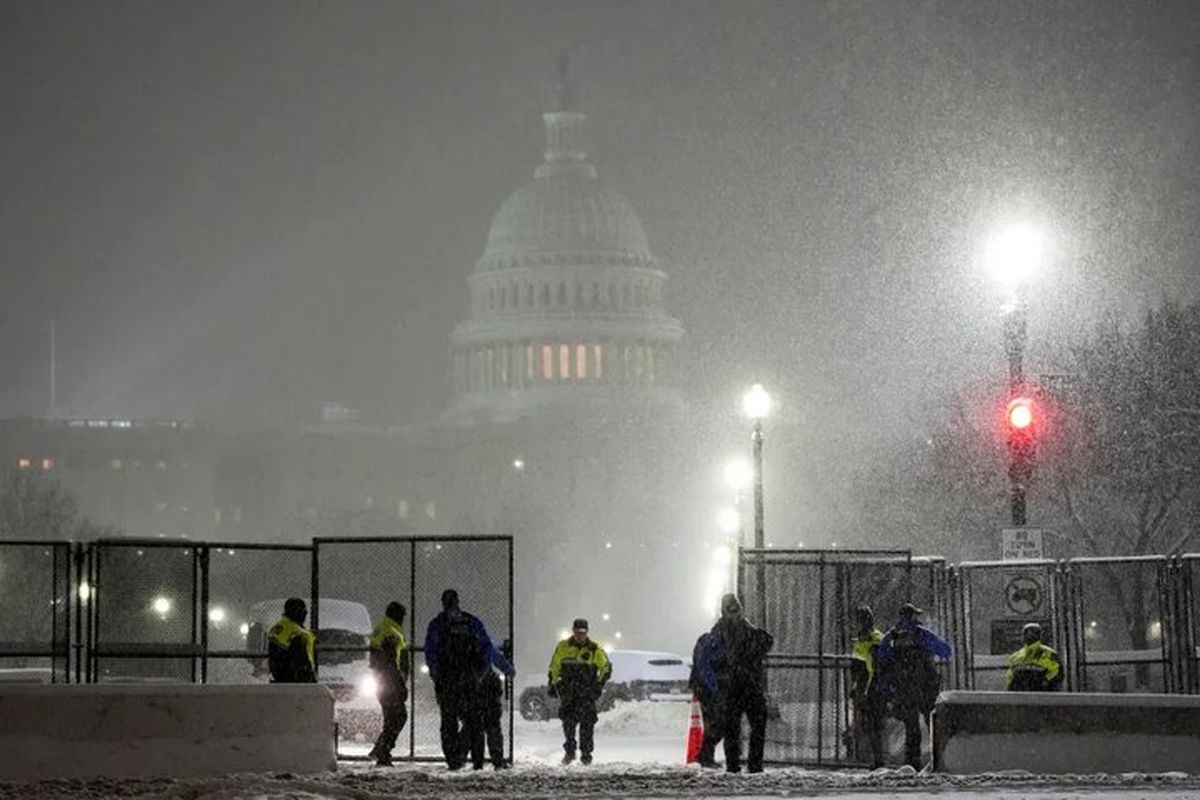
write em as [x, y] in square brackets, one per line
[869, 714]
[710, 711]
[493, 713]
[737, 701]
[393, 703]
[581, 714]
[911, 717]
[462, 726]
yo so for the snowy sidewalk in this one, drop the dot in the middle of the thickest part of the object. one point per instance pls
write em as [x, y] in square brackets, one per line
[361, 782]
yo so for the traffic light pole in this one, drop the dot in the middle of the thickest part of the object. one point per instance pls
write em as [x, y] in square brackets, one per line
[1020, 445]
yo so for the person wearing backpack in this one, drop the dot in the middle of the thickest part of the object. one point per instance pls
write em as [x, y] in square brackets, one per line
[908, 676]
[459, 653]
[740, 665]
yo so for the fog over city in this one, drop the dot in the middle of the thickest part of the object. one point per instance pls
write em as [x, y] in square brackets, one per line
[241, 214]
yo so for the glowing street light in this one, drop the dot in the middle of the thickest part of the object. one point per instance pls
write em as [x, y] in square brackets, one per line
[738, 474]
[161, 606]
[216, 615]
[729, 519]
[756, 403]
[1014, 254]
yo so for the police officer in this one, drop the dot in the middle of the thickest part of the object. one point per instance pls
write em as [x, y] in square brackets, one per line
[579, 668]
[1035, 667]
[741, 683]
[290, 646]
[458, 651]
[908, 676]
[870, 708]
[390, 663]
[703, 682]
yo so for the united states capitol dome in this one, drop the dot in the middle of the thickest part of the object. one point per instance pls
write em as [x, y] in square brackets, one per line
[565, 212]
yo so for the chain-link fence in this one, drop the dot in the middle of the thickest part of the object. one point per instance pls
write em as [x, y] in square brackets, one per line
[1119, 611]
[371, 572]
[807, 599]
[991, 602]
[1188, 593]
[35, 628]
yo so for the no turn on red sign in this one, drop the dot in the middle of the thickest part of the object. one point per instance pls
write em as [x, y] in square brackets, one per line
[1021, 544]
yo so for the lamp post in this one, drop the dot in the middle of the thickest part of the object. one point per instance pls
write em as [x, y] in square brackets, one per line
[1013, 255]
[756, 404]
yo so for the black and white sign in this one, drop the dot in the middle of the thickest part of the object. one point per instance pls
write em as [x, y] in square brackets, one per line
[1021, 543]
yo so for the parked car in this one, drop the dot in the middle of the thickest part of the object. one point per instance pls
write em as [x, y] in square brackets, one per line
[636, 675]
[345, 627]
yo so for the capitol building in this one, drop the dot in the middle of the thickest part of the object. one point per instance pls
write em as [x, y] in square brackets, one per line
[566, 429]
[566, 301]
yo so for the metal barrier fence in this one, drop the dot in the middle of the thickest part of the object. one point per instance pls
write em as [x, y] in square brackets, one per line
[806, 600]
[415, 571]
[35, 626]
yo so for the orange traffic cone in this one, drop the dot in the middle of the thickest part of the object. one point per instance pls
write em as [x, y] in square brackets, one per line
[695, 733]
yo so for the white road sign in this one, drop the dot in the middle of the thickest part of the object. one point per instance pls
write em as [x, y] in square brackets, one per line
[1021, 543]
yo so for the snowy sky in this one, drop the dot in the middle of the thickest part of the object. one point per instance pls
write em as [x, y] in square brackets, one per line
[239, 209]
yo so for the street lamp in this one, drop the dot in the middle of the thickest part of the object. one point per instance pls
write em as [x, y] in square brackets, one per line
[1013, 256]
[756, 404]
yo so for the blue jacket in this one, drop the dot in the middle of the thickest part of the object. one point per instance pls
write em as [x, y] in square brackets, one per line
[907, 674]
[439, 630]
[926, 639]
[705, 656]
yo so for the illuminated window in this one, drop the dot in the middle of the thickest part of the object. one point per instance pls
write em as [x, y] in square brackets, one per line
[564, 361]
[23, 463]
[502, 363]
[116, 463]
[581, 370]
[47, 463]
[598, 361]
[547, 362]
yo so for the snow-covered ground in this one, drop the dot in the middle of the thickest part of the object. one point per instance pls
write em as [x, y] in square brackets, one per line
[639, 753]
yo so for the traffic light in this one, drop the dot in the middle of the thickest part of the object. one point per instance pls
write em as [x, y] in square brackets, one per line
[1021, 415]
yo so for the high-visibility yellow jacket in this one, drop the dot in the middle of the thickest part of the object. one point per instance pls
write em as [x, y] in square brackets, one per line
[290, 650]
[388, 646]
[1034, 668]
[579, 669]
[863, 649]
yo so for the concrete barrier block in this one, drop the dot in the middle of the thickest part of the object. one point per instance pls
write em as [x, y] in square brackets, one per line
[147, 730]
[1061, 733]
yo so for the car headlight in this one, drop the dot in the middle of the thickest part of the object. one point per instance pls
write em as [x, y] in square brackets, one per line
[367, 687]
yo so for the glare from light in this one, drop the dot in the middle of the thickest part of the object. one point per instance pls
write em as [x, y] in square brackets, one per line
[85, 591]
[244, 629]
[729, 520]
[756, 403]
[425, 668]
[216, 615]
[1155, 630]
[518, 464]
[367, 686]
[617, 635]
[738, 474]
[722, 557]
[605, 616]
[608, 545]
[607, 647]
[161, 606]
[564, 634]
[1014, 254]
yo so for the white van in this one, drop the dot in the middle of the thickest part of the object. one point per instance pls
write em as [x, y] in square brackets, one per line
[342, 644]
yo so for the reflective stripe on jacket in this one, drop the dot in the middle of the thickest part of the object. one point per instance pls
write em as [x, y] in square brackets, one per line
[587, 657]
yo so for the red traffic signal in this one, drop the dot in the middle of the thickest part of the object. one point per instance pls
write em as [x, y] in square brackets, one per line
[1020, 414]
